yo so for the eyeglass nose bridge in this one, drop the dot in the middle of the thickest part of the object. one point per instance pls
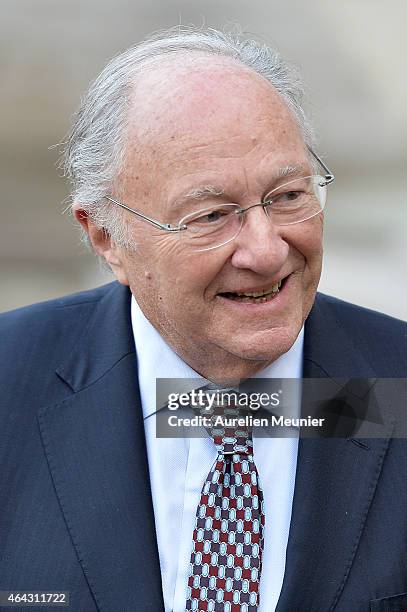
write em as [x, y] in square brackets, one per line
[242, 213]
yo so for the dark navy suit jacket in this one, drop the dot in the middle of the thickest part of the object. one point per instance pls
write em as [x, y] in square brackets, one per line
[75, 504]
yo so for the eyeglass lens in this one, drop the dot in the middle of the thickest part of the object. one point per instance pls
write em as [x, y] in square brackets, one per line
[293, 202]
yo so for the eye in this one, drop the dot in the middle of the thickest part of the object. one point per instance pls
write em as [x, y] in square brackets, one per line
[288, 196]
[212, 216]
[291, 195]
[289, 199]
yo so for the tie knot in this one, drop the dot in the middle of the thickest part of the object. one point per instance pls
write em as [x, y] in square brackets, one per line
[230, 431]
[238, 444]
[226, 422]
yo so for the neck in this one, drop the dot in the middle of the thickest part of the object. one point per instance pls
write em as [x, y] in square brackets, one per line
[226, 371]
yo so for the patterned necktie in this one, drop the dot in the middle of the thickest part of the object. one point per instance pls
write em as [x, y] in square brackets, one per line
[226, 559]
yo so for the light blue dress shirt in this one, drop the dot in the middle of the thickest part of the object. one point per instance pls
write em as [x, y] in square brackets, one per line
[178, 468]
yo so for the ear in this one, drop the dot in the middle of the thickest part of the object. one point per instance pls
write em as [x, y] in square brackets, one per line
[102, 243]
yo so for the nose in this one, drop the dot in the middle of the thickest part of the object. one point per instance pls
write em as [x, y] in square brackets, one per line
[259, 246]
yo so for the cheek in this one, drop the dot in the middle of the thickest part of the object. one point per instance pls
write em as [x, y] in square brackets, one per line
[173, 276]
[314, 245]
[306, 239]
[311, 249]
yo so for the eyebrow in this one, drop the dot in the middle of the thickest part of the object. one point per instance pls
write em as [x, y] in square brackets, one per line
[203, 191]
[288, 171]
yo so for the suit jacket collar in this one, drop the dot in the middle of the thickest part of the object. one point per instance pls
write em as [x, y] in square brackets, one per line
[328, 349]
[106, 339]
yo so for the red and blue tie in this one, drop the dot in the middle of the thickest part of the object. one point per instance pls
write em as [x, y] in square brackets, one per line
[226, 559]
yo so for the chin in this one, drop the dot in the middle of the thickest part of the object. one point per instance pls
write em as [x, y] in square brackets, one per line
[264, 346]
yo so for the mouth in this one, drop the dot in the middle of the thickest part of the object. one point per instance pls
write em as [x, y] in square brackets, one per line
[259, 296]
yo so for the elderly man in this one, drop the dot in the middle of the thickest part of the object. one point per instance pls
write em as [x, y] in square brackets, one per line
[196, 181]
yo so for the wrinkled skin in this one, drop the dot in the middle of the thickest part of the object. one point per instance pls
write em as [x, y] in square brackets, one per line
[212, 121]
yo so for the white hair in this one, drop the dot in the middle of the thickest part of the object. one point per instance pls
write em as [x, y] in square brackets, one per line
[95, 147]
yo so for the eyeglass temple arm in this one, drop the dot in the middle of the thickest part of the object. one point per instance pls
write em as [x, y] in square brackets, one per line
[164, 226]
[329, 177]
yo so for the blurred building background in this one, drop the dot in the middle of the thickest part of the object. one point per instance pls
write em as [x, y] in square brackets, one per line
[352, 56]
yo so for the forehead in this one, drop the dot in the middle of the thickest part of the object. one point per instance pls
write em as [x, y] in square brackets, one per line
[204, 115]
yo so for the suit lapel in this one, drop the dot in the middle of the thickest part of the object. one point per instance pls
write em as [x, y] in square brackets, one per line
[335, 483]
[95, 446]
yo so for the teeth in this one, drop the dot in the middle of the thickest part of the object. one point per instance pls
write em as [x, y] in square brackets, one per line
[257, 294]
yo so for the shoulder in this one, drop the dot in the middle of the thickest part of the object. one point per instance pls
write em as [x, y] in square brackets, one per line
[37, 340]
[381, 339]
[52, 309]
[361, 319]
[48, 328]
